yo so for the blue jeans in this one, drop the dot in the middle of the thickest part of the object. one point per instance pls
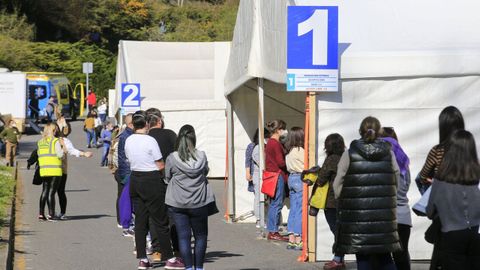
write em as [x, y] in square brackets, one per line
[106, 149]
[295, 187]
[91, 137]
[103, 117]
[276, 205]
[375, 261]
[186, 221]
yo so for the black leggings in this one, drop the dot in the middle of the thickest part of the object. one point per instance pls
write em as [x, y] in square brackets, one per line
[50, 187]
[402, 258]
[62, 197]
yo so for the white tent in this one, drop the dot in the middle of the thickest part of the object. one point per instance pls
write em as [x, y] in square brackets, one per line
[185, 81]
[401, 61]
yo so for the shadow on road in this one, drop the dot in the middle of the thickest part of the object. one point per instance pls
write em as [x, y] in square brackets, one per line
[77, 190]
[22, 232]
[25, 149]
[81, 217]
[215, 255]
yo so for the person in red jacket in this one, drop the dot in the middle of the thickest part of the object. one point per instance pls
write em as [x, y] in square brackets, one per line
[91, 99]
[275, 162]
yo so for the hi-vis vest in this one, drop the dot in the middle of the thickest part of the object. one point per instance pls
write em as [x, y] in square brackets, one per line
[50, 164]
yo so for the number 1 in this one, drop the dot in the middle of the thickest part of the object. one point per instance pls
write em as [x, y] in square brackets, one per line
[318, 24]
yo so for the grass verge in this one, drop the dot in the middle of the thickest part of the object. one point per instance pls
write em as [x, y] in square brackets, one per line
[7, 182]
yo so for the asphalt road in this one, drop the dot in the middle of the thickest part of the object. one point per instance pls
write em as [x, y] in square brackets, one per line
[90, 239]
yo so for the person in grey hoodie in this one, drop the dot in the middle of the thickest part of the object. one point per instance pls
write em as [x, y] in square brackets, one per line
[189, 196]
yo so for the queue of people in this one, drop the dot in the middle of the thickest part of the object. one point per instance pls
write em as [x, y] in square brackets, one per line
[165, 176]
[366, 204]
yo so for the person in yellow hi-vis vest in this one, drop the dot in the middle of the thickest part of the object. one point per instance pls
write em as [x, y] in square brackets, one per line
[50, 153]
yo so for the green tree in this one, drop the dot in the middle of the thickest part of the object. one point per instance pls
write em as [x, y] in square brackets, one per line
[16, 27]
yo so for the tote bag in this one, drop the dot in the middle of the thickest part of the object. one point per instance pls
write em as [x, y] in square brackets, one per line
[269, 183]
[420, 208]
[319, 196]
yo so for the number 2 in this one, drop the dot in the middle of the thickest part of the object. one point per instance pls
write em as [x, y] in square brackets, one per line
[129, 101]
[318, 24]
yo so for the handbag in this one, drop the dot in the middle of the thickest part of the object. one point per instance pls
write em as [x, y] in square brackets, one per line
[420, 208]
[434, 231]
[269, 183]
[212, 208]
[37, 179]
[319, 196]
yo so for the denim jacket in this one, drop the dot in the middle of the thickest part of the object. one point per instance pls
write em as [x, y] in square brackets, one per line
[123, 164]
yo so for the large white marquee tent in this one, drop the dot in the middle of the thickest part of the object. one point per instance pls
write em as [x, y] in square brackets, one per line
[401, 61]
[185, 80]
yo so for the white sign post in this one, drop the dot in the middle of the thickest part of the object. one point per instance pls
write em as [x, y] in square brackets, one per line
[312, 48]
[87, 69]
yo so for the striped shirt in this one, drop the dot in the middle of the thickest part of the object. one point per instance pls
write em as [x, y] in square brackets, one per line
[434, 158]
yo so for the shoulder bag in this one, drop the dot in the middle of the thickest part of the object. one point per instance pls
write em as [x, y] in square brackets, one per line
[269, 183]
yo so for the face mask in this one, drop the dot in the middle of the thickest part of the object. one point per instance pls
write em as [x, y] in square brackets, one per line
[265, 141]
[284, 133]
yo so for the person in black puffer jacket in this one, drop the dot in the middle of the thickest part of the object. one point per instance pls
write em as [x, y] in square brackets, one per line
[366, 188]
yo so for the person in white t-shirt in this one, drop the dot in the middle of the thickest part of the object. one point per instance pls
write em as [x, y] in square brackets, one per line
[147, 191]
[98, 130]
[102, 110]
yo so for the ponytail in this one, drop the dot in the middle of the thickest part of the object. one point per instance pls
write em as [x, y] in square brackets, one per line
[370, 129]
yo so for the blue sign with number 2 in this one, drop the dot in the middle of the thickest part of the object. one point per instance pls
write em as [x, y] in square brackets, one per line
[130, 95]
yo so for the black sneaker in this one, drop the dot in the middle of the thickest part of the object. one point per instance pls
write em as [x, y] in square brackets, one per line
[144, 265]
[52, 218]
[128, 233]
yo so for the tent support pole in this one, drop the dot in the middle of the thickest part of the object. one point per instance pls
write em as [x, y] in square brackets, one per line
[127, 77]
[312, 160]
[304, 256]
[230, 214]
[261, 125]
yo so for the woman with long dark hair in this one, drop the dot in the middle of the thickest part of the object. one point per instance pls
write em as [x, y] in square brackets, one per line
[449, 121]
[275, 163]
[455, 199]
[256, 174]
[147, 191]
[295, 161]
[366, 188]
[189, 197]
[334, 146]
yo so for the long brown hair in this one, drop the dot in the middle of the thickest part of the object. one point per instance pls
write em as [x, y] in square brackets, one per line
[296, 138]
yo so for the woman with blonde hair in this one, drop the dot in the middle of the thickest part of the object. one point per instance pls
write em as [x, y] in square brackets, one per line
[50, 153]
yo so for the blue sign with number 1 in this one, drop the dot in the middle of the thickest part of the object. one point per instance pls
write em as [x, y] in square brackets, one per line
[312, 48]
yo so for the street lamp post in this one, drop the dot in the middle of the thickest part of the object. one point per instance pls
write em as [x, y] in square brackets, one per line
[87, 69]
